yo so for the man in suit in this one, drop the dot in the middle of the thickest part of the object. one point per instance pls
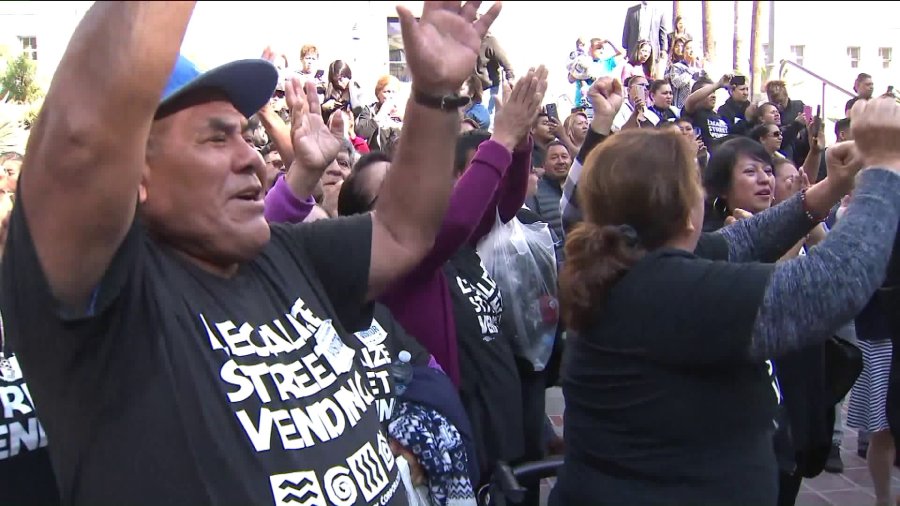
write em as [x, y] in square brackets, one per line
[644, 21]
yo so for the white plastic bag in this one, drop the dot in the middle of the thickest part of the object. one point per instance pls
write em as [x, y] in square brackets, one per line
[415, 496]
[522, 261]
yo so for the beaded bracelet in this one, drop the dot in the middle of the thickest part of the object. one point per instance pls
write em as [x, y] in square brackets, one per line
[806, 210]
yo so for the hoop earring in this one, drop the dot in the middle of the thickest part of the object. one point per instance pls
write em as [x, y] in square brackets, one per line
[720, 206]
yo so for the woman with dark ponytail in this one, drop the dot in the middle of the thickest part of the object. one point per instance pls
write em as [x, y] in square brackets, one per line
[668, 399]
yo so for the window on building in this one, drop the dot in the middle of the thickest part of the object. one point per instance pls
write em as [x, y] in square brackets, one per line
[29, 46]
[768, 58]
[885, 54]
[396, 53]
[797, 53]
[853, 53]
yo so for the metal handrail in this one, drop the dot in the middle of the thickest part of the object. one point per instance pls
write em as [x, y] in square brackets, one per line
[824, 81]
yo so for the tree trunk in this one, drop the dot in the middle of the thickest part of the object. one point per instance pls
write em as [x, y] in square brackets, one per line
[755, 49]
[709, 45]
[676, 11]
[736, 48]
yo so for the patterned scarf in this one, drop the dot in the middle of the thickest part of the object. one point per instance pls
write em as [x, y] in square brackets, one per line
[439, 448]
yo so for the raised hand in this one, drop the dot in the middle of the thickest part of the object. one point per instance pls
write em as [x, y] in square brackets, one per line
[519, 109]
[606, 98]
[816, 135]
[876, 127]
[725, 80]
[268, 54]
[442, 46]
[844, 161]
[315, 145]
[737, 215]
[800, 181]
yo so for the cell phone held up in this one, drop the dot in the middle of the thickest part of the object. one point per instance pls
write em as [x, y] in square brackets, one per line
[552, 112]
[807, 113]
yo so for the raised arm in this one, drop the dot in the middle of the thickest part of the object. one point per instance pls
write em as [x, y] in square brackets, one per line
[606, 98]
[313, 146]
[510, 194]
[697, 98]
[279, 133]
[86, 153]
[474, 201]
[809, 297]
[518, 109]
[441, 50]
[816, 148]
[770, 234]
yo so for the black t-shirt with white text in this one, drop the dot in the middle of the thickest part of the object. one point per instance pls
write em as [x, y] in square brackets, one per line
[490, 387]
[712, 127]
[663, 403]
[381, 344]
[182, 387]
[26, 477]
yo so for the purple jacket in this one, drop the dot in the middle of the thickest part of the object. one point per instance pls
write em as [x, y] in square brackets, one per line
[495, 181]
[282, 206]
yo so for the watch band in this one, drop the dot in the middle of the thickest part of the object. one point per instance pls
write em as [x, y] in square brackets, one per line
[444, 103]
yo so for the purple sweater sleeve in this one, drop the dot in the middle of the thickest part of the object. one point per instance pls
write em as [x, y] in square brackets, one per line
[283, 207]
[510, 195]
[474, 194]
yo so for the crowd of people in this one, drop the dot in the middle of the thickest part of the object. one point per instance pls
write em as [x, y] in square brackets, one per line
[250, 286]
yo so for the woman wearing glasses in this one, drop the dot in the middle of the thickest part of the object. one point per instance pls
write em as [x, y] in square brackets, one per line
[770, 137]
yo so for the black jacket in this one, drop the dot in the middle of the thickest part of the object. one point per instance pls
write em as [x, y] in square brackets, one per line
[733, 114]
[545, 204]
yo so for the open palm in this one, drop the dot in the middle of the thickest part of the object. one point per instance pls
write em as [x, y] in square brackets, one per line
[315, 145]
[441, 47]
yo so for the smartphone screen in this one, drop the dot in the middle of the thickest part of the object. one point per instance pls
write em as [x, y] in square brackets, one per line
[552, 112]
[319, 74]
[807, 111]
[697, 132]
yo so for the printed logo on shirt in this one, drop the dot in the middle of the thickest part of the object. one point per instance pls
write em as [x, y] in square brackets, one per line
[293, 384]
[485, 299]
[717, 128]
[376, 360]
[365, 476]
[20, 430]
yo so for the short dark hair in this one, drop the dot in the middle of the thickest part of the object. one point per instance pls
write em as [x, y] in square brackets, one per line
[555, 142]
[352, 198]
[662, 125]
[717, 178]
[465, 142]
[861, 76]
[841, 125]
[703, 81]
[759, 132]
[370, 158]
[657, 84]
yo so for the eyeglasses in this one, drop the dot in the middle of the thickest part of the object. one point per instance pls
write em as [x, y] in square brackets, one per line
[776, 134]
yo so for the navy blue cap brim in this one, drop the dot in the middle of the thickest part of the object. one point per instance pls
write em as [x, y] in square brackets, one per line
[249, 84]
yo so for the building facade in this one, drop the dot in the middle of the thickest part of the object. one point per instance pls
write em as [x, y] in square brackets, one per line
[836, 41]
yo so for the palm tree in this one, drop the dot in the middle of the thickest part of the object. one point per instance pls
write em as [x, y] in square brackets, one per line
[756, 76]
[736, 47]
[676, 11]
[709, 45]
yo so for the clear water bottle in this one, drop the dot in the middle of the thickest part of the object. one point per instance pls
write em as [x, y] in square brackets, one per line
[402, 372]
